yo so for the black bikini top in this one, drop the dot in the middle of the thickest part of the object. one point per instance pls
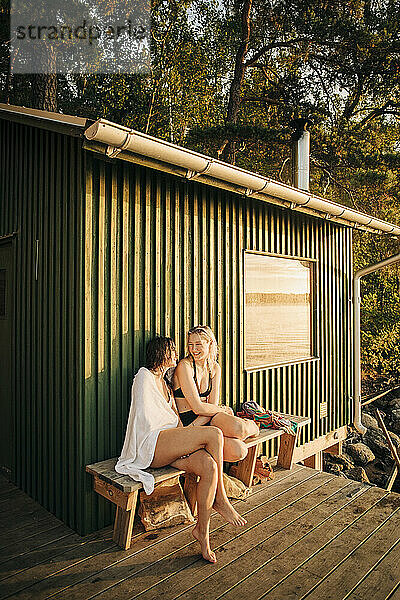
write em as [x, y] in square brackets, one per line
[179, 394]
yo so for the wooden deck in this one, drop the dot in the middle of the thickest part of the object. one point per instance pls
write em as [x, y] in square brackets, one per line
[309, 535]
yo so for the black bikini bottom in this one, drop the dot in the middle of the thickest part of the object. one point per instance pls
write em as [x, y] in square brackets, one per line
[187, 417]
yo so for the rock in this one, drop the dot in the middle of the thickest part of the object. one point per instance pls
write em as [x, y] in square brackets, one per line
[377, 473]
[344, 460]
[395, 427]
[376, 440]
[394, 404]
[358, 474]
[334, 469]
[395, 414]
[369, 421]
[361, 453]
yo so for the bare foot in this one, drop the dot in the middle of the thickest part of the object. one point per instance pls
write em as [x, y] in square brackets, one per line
[204, 542]
[225, 509]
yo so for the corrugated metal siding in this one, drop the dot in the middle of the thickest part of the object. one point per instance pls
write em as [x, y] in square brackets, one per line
[125, 253]
[40, 199]
[162, 255]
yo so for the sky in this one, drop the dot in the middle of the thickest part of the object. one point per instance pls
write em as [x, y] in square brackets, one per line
[275, 275]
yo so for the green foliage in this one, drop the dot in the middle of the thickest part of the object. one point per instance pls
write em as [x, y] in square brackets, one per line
[381, 353]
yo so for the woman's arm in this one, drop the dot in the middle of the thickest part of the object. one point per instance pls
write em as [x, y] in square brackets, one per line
[184, 376]
[216, 385]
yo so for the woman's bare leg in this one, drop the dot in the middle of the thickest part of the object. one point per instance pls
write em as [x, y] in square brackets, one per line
[175, 443]
[202, 464]
[235, 427]
[234, 449]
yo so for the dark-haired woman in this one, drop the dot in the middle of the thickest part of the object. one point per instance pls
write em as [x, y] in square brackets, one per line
[155, 437]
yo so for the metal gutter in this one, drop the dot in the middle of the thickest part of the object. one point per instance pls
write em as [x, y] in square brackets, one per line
[118, 139]
[356, 333]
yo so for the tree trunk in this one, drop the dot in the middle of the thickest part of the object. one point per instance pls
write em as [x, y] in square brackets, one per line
[44, 85]
[229, 151]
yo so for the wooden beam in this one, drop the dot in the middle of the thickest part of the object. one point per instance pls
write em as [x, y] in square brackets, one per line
[314, 461]
[320, 444]
[336, 449]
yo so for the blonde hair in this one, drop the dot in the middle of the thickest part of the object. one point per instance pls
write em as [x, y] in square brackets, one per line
[206, 333]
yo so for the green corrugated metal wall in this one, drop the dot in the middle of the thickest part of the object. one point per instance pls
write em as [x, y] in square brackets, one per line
[41, 199]
[126, 252]
[162, 255]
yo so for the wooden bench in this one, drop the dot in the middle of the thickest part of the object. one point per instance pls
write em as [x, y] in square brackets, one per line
[123, 491]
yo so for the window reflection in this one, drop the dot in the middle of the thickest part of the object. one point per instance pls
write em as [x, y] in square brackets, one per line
[278, 310]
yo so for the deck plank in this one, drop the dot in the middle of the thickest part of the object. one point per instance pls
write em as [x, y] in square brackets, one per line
[208, 581]
[10, 536]
[188, 563]
[358, 562]
[47, 575]
[395, 594]
[309, 534]
[27, 553]
[7, 495]
[296, 569]
[381, 579]
[303, 577]
[103, 571]
[265, 564]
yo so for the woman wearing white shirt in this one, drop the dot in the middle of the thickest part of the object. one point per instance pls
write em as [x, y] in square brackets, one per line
[155, 438]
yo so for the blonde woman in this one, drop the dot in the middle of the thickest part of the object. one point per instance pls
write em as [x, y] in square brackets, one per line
[196, 384]
[155, 437]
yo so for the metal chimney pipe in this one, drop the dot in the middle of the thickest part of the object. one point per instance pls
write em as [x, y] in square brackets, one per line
[300, 154]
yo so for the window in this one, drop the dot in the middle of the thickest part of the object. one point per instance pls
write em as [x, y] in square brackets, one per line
[279, 311]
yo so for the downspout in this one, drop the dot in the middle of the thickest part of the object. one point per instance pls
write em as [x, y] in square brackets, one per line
[356, 339]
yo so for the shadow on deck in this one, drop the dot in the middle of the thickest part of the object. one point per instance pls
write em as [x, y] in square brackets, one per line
[309, 535]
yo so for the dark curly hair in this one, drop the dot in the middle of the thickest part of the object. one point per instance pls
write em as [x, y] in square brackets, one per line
[157, 350]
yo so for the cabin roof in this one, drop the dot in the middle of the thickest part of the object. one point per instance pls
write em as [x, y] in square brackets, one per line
[118, 142]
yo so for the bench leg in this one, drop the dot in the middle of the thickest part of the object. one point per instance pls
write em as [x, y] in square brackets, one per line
[286, 450]
[245, 470]
[123, 524]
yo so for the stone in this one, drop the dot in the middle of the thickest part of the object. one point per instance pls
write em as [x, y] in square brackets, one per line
[376, 440]
[361, 453]
[395, 427]
[165, 507]
[369, 421]
[394, 404]
[334, 469]
[377, 473]
[358, 474]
